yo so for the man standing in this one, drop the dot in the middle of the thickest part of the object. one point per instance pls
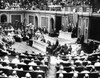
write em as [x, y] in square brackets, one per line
[30, 42]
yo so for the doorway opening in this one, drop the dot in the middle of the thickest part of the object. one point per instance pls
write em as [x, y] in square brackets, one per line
[3, 18]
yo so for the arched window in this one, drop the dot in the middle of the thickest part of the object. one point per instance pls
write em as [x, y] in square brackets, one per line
[3, 18]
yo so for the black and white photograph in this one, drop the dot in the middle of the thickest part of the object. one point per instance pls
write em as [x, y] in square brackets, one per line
[49, 38]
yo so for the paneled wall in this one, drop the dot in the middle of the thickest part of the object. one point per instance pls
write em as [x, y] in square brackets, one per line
[49, 20]
[60, 20]
[65, 23]
[15, 19]
[44, 21]
[31, 19]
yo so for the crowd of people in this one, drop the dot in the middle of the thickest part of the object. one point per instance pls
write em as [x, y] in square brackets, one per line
[25, 63]
[20, 65]
[71, 61]
[75, 63]
[82, 66]
[41, 4]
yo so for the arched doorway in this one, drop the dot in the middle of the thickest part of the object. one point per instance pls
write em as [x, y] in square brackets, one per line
[51, 25]
[36, 21]
[52, 30]
[58, 23]
[3, 18]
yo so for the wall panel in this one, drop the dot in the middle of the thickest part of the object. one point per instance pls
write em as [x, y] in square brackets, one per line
[44, 22]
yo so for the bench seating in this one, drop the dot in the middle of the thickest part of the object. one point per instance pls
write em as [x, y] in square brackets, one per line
[26, 67]
[21, 73]
[80, 75]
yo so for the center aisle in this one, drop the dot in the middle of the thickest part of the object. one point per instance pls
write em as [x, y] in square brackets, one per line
[52, 69]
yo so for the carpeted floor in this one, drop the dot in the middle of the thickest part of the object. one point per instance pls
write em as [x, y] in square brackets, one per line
[22, 47]
[52, 69]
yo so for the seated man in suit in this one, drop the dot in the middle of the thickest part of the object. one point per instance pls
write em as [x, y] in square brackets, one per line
[61, 70]
[31, 68]
[57, 49]
[86, 76]
[32, 63]
[14, 75]
[85, 70]
[38, 70]
[43, 40]
[73, 70]
[39, 76]
[75, 75]
[27, 76]
[7, 66]
[97, 63]
[6, 59]
[60, 75]
[22, 62]
[16, 60]
[2, 74]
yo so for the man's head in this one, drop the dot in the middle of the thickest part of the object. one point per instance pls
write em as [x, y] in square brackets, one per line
[61, 75]
[28, 75]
